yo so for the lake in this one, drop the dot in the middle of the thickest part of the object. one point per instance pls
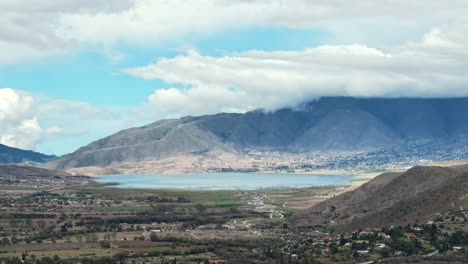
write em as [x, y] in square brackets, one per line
[224, 181]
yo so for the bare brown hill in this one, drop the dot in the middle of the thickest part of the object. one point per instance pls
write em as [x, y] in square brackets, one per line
[25, 171]
[416, 195]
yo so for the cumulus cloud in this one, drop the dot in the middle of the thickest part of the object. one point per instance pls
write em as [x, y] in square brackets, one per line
[432, 67]
[18, 124]
[28, 119]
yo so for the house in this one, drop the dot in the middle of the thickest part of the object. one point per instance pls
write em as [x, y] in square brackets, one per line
[381, 245]
[363, 252]
[362, 242]
[384, 236]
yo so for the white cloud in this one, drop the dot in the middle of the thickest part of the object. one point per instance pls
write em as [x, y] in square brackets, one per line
[434, 66]
[173, 102]
[28, 119]
[19, 125]
[48, 27]
[29, 28]
[150, 20]
[35, 23]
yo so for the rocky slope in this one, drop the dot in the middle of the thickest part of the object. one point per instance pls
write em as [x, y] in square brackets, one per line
[92, 171]
[394, 199]
[14, 155]
[328, 125]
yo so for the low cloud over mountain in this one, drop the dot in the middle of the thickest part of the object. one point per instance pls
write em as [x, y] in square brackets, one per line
[239, 82]
[328, 125]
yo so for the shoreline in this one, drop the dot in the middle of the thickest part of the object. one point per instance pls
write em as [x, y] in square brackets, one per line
[355, 180]
[325, 172]
[112, 186]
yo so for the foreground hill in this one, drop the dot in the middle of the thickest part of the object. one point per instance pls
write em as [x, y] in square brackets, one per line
[329, 125]
[14, 155]
[394, 199]
[24, 171]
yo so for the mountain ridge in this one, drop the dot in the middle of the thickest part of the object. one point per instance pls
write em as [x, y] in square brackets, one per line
[15, 155]
[326, 125]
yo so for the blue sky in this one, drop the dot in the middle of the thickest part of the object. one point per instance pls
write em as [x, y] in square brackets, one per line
[89, 75]
[75, 71]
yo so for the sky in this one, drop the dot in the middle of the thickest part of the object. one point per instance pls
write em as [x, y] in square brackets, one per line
[74, 71]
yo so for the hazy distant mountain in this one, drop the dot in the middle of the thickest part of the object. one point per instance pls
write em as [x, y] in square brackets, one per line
[393, 199]
[14, 155]
[332, 124]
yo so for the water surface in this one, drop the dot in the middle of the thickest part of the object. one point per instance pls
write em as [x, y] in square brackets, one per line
[224, 181]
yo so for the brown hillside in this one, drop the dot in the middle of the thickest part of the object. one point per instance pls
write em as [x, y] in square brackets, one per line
[394, 199]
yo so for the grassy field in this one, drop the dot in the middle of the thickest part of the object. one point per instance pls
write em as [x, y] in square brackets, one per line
[210, 199]
[125, 208]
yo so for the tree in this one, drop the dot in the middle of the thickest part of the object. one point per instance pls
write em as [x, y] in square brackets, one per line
[47, 260]
[41, 224]
[105, 244]
[121, 256]
[28, 222]
[13, 222]
[94, 237]
[107, 237]
[386, 252]
[154, 237]
[79, 238]
[200, 208]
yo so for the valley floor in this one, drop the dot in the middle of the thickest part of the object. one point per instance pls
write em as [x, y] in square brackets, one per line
[87, 222]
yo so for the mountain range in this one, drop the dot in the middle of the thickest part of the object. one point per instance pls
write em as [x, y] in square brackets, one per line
[329, 125]
[15, 155]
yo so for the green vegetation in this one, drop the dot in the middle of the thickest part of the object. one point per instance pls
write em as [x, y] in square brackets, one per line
[96, 223]
[124, 208]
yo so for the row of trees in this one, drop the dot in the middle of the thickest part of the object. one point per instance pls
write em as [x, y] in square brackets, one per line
[28, 222]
